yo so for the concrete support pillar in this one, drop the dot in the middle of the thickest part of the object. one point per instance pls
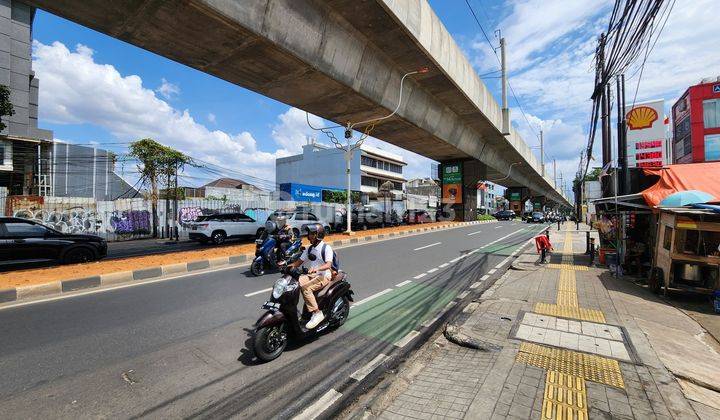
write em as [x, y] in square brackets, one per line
[458, 181]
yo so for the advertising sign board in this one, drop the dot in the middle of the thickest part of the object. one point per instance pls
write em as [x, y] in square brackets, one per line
[646, 135]
[302, 192]
[452, 183]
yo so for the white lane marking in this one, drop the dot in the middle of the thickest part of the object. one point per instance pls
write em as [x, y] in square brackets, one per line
[492, 271]
[259, 292]
[371, 297]
[443, 265]
[403, 283]
[485, 277]
[432, 270]
[498, 227]
[408, 338]
[454, 260]
[475, 285]
[427, 246]
[419, 276]
[462, 295]
[361, 373]
[319, 406]
[474, 233]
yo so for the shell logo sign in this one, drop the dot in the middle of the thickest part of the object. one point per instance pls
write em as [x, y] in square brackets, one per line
[641, 117]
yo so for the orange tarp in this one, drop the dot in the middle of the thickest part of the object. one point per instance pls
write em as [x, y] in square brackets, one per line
[692, 176]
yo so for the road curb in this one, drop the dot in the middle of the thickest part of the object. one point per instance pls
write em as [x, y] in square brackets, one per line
[57, 288]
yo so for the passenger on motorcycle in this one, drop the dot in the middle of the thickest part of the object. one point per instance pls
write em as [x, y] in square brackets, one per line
[318, 259]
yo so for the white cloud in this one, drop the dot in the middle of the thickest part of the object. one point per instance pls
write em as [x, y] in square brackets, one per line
[76, 89]
[292, 131]
[212, 118]
[168, 90]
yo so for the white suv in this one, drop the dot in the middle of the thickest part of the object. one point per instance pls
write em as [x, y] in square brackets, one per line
[220, 227]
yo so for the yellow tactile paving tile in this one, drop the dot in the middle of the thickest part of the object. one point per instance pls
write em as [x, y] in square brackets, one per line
[565, 397]
[566, 266]
[572, 312]
[567, 298]
[586, 366]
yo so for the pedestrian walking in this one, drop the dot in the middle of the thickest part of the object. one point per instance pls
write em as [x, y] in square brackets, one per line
[543, 246]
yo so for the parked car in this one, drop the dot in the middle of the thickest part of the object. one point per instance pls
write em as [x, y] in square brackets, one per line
[536, 217]
[298, 220]
[24, 241]
[505, 215]
[416, 216]
[217, 228]
[366, 217]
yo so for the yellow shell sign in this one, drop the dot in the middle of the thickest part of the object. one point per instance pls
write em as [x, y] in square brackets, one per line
[641, 117]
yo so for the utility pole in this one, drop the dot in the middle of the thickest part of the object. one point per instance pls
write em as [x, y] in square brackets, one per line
[167, 205]
[555, 172]
[621, 141]
[175, 207]
[542, 155]
[503, 77]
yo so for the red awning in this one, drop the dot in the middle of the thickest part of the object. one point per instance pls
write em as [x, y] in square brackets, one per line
[673, 178]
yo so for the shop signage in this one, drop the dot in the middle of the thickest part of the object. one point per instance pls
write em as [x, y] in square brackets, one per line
[302, 192]
[514, 196]
[646, 135]
[716, 88]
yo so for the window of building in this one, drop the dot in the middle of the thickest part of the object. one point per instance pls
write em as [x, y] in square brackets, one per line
[711, 113]
[712, 147]
[397, 185]
[368, 181]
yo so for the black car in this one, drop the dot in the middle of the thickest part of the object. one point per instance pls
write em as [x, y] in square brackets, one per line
[24, 241]
[367, 217]
[536, 217]
[505, 215]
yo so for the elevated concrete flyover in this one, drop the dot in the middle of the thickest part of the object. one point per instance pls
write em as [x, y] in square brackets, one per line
[339, 59]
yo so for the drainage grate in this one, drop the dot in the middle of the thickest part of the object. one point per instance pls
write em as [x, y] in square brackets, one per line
[565, 397]
[570, 312]
[587, 366]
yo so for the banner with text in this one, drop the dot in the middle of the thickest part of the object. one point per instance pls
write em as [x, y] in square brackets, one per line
[646, 135]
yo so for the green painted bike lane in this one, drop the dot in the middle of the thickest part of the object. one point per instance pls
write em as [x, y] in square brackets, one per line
[393, 315]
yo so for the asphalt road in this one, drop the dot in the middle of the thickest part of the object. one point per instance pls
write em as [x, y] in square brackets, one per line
[178, 348]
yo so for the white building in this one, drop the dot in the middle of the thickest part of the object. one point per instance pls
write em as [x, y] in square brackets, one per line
[324, 166]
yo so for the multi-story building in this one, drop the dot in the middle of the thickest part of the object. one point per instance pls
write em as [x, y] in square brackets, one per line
[696, 123]
[24, 148]
[320, 167]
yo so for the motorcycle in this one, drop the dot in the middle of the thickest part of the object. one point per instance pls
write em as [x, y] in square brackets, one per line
[268, 254]
[281, 321]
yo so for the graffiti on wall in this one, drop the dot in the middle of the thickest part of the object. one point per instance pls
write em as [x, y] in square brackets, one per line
[130, 222]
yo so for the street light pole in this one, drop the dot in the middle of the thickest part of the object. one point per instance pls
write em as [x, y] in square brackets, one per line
[350, 146]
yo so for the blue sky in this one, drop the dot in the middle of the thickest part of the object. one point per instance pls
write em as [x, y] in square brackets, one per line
[98, 89]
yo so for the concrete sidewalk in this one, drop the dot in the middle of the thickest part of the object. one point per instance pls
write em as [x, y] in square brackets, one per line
[561, 340]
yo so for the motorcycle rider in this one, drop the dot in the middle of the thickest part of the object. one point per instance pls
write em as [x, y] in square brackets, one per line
[318, 258]
[285, 237]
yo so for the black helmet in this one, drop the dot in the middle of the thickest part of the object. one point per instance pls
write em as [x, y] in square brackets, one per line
[318, 230]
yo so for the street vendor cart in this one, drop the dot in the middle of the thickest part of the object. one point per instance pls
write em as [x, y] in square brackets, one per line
[686, 254]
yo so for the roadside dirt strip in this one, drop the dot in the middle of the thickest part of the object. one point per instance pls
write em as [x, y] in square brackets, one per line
[38, 283]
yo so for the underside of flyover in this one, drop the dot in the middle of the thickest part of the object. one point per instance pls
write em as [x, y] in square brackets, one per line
[339, 59]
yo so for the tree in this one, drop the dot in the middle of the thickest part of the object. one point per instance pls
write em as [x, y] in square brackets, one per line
[6, 108]
[155, 161]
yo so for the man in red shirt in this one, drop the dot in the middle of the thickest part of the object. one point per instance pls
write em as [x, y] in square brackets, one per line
[542, 244]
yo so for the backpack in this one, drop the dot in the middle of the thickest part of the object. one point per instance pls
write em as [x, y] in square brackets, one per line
[335, 267]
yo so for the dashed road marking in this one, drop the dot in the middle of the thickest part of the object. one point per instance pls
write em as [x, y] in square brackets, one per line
[371, 297]
[319, 406]
[432, 270]
[361, 373]
[462, 295]
[443, 265]
[474, 233]
[259, 292]
[427, 246]
[408, 338]
[419, 276]
[403, 283]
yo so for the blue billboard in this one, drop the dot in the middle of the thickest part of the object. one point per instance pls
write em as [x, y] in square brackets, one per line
[302, 192]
